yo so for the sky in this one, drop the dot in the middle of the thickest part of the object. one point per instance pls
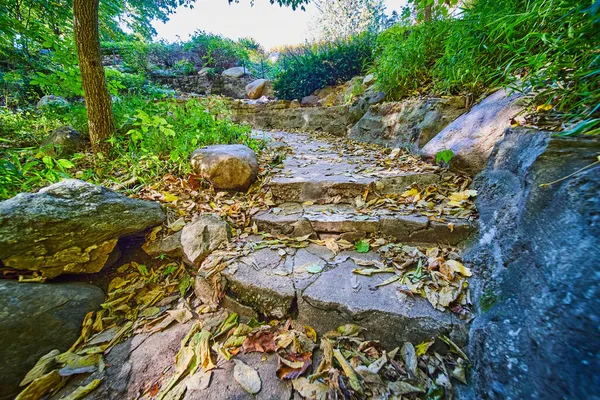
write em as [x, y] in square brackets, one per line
[271, 25]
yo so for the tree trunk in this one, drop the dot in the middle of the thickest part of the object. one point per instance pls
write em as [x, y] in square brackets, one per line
[97, 98]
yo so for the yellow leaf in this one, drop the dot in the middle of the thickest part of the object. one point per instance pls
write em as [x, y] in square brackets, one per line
[543, 107]
[459, 267]
[409, 193]
[169, 198]
[423, 347]
[311, 333]
[461, 196]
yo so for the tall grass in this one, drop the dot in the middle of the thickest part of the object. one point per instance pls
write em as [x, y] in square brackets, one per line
[552, 46]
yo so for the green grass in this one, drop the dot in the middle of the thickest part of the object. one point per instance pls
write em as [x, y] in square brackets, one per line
[550, 46]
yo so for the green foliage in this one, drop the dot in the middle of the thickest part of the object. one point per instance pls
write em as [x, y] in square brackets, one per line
[153, 139]
[217, 52]
[550, 46]
[444, 156]
[406, 55]
[362, 247]
[311, 67]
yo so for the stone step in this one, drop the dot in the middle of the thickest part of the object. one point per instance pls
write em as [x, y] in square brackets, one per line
[326, 170]
[343, 219]
[322, 187]
[319, 289]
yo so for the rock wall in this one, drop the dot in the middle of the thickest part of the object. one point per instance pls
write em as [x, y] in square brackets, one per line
[289, 116]
[207, 84]
[536, 257]
[410, 123]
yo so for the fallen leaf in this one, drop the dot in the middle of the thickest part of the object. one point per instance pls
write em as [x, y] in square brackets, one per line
[182, 316]
[82, 391]
[362, 247]
[262, 341]
[422, 347]
[41, 368]
[389, 280]
[332, 245]
[183, 363]
[246, 377]
[311, 333]
[353, 378]
[409, 356]
[199, 380]
[459, 267]
[310, 390]
[371, 271]
[293, 365]
[41, 386]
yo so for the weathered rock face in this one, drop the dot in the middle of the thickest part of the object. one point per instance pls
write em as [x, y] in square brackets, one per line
[537, 263]
[202, 237]
[473, 135]
[311, 100]
[288, 116]
[410, 123]
[36, 319]
[52, 100]
[254, 90]
[64, 140]
[69, 227]
[236, 72]
[227, 167]
[207, 84]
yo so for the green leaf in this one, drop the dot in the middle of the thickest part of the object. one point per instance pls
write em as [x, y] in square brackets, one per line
[65, 163]
[362, 247]
[444, 155]
[184, 284]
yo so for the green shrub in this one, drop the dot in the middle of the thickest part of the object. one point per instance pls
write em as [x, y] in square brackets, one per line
[152, 139]
[551, 46]
[311, 67]
[215, 51]
[405, 56]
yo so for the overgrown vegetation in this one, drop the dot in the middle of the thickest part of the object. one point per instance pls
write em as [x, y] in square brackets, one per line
[311, 67]
[153, 139]
[549, 46]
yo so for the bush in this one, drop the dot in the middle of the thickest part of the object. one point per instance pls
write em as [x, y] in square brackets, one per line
[405, 56]
[551, 46]
[215, 51]
[311, 67]
[152, 139]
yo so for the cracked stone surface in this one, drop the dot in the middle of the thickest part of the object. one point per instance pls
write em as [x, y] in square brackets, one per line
[343, 218]
[320, 172]
[321, 291]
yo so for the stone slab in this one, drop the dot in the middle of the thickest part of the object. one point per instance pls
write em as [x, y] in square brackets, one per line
[280, 286]
[343, 218]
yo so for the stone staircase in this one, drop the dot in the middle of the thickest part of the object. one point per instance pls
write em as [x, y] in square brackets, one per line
[315, 193]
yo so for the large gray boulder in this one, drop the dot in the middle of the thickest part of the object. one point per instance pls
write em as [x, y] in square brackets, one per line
[36, 318]
[69, 227]
[202, 237]
[64, 140]
[51, 100]
[236, 72]
[536, 283]
[227, 167]
[473, 135]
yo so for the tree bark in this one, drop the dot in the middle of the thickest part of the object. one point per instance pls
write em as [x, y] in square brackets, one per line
[97, 98]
